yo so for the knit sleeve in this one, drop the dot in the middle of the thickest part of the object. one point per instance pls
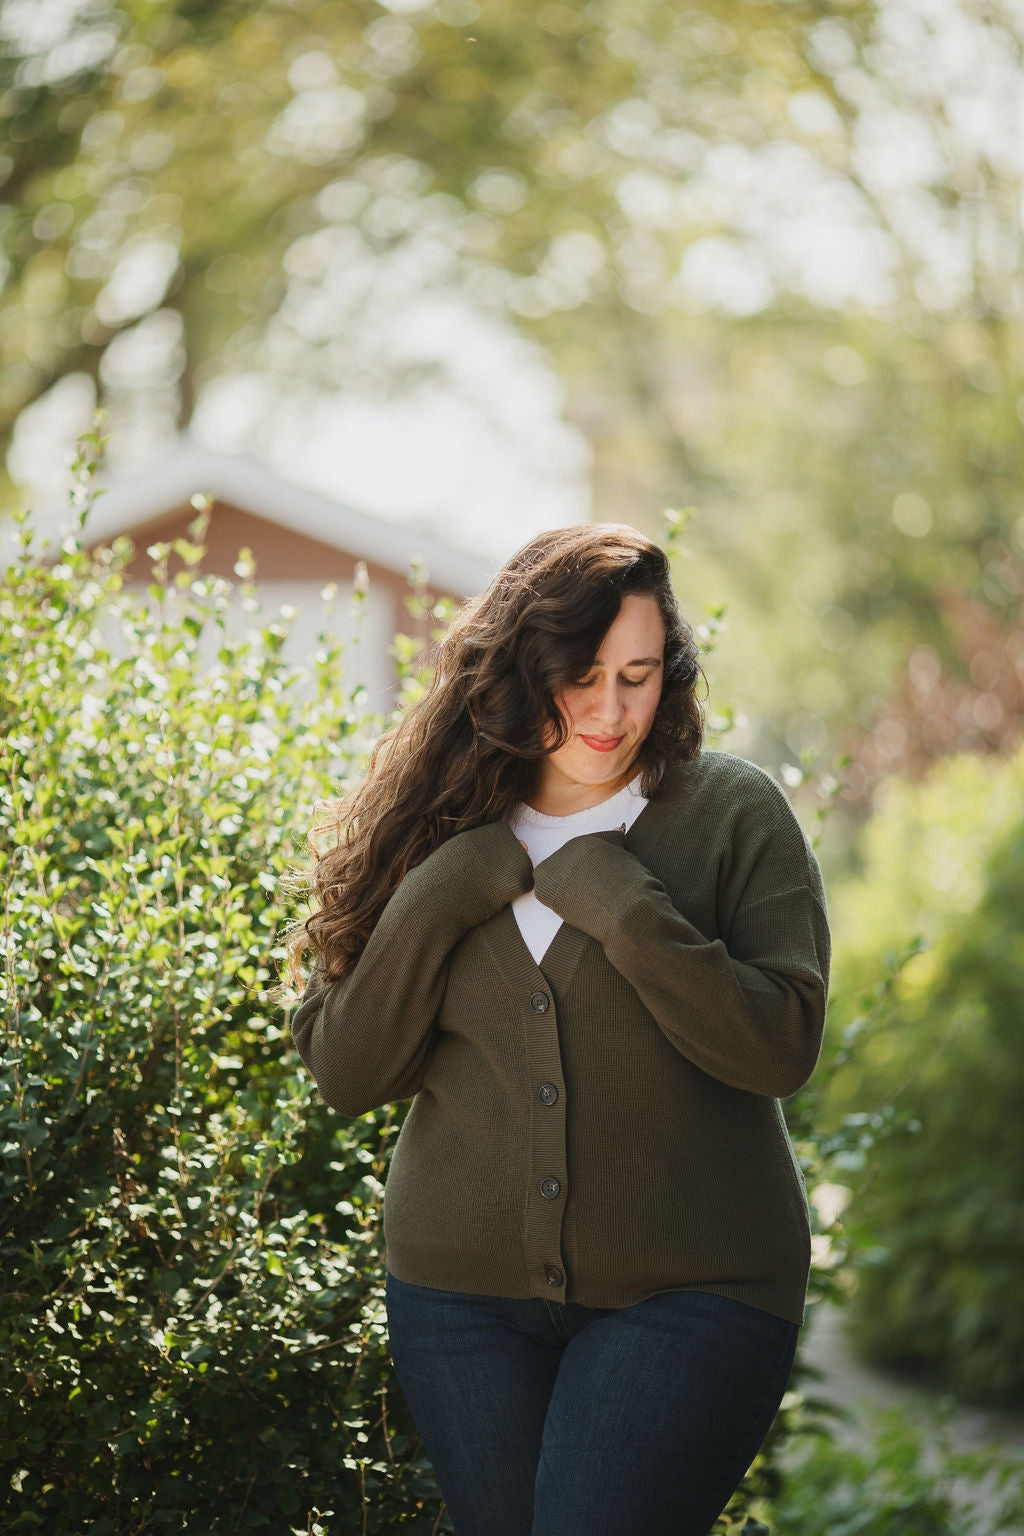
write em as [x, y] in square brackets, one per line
[368, 1035]
[749, 1007]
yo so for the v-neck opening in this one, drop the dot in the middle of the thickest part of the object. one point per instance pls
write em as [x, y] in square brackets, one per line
[558, 964]
[525, 975]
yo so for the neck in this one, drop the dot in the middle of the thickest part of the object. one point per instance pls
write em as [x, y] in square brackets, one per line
[566, 798]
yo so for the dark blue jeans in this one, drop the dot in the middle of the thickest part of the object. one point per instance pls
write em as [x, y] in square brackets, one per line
[544, 1418]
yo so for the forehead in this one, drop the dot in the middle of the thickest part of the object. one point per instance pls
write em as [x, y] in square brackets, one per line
[637, 634]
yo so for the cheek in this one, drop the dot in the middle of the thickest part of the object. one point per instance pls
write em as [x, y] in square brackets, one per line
[648, 712]
[565, 706]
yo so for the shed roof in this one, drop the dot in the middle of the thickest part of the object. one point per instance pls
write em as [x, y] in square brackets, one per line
[130, 503]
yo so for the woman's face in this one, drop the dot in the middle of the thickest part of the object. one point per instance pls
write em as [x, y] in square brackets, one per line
[609, 711]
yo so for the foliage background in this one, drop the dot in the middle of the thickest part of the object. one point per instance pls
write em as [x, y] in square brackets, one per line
[940, 1212]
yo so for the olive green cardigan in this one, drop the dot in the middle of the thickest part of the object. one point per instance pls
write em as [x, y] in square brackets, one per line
[606, 1124]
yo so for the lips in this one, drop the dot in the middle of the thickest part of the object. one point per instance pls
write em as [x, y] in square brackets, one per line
[602, 743]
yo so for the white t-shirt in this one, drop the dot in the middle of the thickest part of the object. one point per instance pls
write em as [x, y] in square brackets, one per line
[542, 834]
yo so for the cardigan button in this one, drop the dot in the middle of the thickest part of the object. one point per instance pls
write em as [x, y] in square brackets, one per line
[549, 1188]
[553, 1273]
[547, 1093]
[539, 1002]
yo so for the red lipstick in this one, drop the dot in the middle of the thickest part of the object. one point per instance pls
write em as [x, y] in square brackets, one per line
[602, 743]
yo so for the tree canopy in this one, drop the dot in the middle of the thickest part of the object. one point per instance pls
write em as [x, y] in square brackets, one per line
[777, 270]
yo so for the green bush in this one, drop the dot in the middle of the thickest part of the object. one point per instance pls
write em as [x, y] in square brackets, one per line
[909, 1482]
[939, 1214]
[192, 1328]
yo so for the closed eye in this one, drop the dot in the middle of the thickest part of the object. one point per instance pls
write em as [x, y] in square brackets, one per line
[630, 682]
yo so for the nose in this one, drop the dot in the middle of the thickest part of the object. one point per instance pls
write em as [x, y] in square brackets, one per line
[607, 711]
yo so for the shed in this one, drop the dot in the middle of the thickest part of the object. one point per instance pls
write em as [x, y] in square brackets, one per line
[300, 541]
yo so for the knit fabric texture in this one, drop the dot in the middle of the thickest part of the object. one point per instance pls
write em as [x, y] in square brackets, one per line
[607, 1124]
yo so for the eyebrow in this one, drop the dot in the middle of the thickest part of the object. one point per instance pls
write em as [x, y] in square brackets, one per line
[638, 661]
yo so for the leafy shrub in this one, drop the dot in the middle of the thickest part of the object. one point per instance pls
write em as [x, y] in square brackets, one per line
[908, 1481]
[192, 1329]
[938, 1212]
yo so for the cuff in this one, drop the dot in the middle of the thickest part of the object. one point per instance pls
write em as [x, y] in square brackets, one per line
[483, 869]
[591, 881]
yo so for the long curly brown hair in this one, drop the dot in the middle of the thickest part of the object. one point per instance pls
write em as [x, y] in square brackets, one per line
[470, 749]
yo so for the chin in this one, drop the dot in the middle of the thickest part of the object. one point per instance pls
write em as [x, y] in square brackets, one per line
[604, 765]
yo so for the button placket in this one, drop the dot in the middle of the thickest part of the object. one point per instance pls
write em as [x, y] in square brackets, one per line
[546, 1127]
[545, 1207]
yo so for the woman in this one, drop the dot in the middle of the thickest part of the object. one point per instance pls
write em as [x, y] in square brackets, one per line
[597, 955]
